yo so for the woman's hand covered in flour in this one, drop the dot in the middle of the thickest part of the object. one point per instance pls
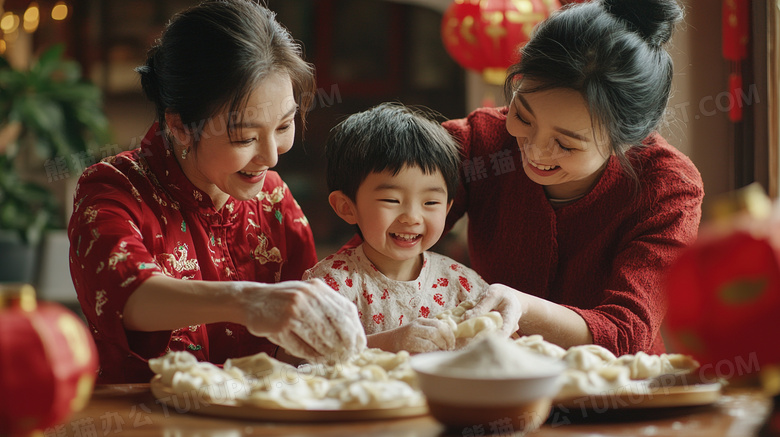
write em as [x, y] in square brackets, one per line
[505, 300]
[422, 335]
[307, 318]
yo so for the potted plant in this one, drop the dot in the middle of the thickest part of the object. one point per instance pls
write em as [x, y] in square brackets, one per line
[51, 122]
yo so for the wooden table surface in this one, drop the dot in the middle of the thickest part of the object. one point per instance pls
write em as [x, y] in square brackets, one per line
[131, 410]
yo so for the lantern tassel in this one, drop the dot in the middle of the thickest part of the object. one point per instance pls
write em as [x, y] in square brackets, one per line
[736, 93]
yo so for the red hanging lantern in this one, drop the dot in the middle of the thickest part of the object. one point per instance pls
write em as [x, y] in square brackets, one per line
[485, 35]
[736, 36]
[48, 362]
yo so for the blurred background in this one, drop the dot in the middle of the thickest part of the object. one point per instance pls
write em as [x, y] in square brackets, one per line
[370, 51]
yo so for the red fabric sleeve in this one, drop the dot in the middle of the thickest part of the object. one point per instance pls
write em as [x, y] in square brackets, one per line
[109, 259]
[629, 316]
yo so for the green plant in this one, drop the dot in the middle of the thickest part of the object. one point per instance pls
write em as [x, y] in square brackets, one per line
[53, 114]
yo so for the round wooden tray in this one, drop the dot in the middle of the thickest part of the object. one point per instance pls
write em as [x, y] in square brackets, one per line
[658, 397]
[190, 404]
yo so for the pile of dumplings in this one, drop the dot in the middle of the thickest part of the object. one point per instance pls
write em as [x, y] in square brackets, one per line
[592, 369]
[380, 379]
[373, 379]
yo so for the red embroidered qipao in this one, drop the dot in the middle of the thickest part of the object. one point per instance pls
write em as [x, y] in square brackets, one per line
[136, 215]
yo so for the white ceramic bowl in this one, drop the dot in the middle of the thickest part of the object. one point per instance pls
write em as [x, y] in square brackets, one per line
[460, 399]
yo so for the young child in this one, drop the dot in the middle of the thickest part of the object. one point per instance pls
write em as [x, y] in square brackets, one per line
[393, 171]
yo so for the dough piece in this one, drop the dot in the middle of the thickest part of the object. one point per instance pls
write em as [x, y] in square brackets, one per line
[682, 363]
[488, 322]
[384, 359]
[167, 365]
[643, 366]
[185, 375]
[601, 381]
[539, 345]
[470, 328]
[367, 393]
[588, 357]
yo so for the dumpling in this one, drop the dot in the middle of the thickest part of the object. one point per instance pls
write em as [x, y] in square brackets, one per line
[539, 345]
[588, 357]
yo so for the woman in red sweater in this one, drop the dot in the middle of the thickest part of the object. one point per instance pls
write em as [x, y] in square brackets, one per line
[575, 204]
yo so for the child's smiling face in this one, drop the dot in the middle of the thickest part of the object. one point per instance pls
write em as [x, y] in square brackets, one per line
[400, 216]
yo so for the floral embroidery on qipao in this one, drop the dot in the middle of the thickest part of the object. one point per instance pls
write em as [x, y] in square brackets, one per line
[183, 226]
[136, 195]
[159, 199]
[465, 283]
[348, 281]
[197, 195]
[127, 281]
[278, 215]
[179, 260]
[378, 318]
[100, 300]
[439, 299]
[90, 214]
[135, 229]
[274, 197]
[425, 312]
[95, 237]
[117, 257]
[252, 224]
[385, 294]
[194, 347]
[89, 171]
[369, 297]
[302, 220]
[263, 254]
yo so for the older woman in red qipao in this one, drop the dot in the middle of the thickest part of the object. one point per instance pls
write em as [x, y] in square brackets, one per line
[191, 242]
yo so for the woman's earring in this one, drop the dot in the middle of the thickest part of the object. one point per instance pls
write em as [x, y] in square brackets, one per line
[185, 152]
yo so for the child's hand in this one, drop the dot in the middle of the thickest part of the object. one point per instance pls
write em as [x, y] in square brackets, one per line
[306, 318]
[423, 335]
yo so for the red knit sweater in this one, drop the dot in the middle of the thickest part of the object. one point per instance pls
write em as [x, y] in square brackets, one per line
[603, 255]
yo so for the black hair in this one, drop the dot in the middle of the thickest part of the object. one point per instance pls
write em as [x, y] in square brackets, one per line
[212, 55]
[612, 52]
[390, 137]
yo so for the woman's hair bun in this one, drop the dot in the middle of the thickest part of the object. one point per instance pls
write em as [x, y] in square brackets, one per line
[654, 20]
[149, 79]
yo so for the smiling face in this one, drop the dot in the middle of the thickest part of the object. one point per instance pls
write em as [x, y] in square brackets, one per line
[555, 134]
[399, 216]
[234, 163]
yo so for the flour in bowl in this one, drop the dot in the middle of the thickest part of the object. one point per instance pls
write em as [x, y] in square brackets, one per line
[494, 357]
